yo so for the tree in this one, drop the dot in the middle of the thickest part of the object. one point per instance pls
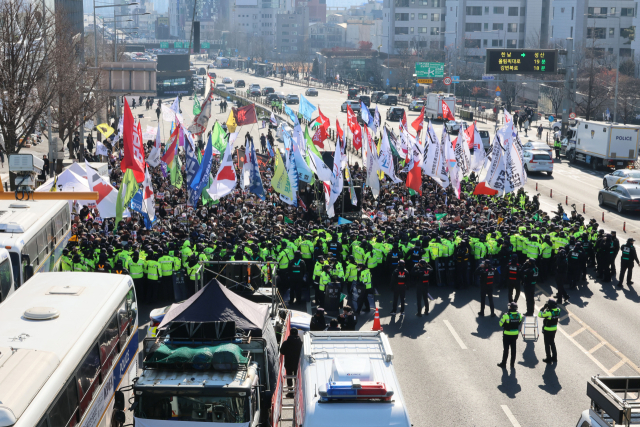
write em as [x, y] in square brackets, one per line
[315, 69]
[365, 45]
[628, 67]
[628, 94]
[28, 79]
[594, 85]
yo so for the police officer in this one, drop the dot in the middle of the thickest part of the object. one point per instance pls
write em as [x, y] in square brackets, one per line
[421, 276]
[136, 266]
[399, 282]
[323, 280]
[102, 266]
[513, 278]
[530, 279]
[119, 268]
[166, 272]
[510, 323]
[66, 262]
[626, 261]
[297, 277]
[487, 274]
[561, 275]
[462, 253]
[364, 279]
[550, 313]
[153, 278]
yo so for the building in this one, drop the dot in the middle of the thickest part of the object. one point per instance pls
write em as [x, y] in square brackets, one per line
[327, 36]
[181, 15]
[253, 22]
[72, 10]
[360, 30]
[293, 31]
[317, 10]
[162, 28]
[409, 25]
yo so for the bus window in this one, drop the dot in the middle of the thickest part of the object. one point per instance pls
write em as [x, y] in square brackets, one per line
[15, 265]
[108, 342]
[63, 413]
[124, 321]
[5, 278]
[87, 377]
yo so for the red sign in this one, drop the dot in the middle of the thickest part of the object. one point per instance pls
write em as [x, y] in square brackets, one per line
[447, 81]
[572, 116]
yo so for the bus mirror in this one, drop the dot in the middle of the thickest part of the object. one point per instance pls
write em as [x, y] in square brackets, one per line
[119, 417]
[118, 401]
[28, 272]
[134, 406]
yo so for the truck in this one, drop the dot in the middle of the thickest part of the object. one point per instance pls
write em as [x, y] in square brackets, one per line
[600, 144]
[347, 378]
[614, 402]
[433, 106]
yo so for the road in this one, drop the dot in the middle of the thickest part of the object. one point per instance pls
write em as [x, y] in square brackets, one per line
[446, 362]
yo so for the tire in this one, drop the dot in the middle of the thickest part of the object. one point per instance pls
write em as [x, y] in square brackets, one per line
[600, 199]
[619, 206]
[594, 163]
[572, 157]
[549, 173]
[604, 183]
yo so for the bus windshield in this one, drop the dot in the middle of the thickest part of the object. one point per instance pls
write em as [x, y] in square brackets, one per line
[15, 265]
[6, 282]
[188, 405]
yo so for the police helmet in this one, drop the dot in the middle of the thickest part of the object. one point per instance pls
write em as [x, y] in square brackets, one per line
[401, 263]
[513, 306]
[552, 303]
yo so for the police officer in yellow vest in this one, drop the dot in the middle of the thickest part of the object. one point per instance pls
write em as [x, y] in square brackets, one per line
[323, 280]
[193, 271]
[78, 265]
[153, 278]
[364, 276]
[351, 272]
[119, 268]
[166, 272]
[550, 313]
[137, 267]
[510, 323]
[65, 261]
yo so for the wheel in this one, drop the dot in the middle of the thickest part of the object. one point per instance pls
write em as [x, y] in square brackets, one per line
[619, 206]
[604, 183]
[572, 156]
[594, 163]
[600, 199]
[550, 173]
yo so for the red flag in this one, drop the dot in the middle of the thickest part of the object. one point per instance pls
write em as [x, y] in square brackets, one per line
[354, 127]
[414, 178]
[245, 115]
[323, 120]
[482, 188]
[419, 122]
[319, 137]
[171, 151]
[340, 132]
[403, 122]
[470, 132]
[133, 149]
[446, 112]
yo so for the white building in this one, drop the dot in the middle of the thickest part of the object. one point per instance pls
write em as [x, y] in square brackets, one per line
[411, 25]
[364, 30]
[256, 18]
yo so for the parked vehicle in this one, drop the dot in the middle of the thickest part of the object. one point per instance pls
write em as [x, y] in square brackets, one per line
[625, 197]
[453, 126]
[433, 109]
[537, 161]
[614, 402]
[599, 144]
[311, 92]
[395, 114]
[292, 99]
[486, 140]
[530, 145]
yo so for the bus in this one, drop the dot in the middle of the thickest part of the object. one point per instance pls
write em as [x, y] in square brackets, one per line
[34, 233]
[222, 62]
[70, 351]
[7, 286]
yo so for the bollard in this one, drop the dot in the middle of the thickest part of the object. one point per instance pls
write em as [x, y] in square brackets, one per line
[584, 208]
[566, 200]
[624, 226]
[603, 217]
[536, 186]
[551, 193]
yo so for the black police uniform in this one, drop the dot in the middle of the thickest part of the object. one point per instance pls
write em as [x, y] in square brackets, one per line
[421, 276]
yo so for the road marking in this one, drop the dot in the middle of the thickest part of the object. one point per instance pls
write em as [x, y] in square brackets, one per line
[578, 332]
[617, 366]
[509, 415]
[596, 347]
[455, 334]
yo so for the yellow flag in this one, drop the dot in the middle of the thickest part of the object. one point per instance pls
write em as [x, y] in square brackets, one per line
[105, 130]
[231, 123]
[54, 187]
[280, 181]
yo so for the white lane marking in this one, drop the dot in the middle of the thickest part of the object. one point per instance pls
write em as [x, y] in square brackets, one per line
[617, 366]
[578, 332]
[509, 415]
[455, 335]
[596, 347]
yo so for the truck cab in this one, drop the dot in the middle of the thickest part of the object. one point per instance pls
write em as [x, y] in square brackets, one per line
[348, 376]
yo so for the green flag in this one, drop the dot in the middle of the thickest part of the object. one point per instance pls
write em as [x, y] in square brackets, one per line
[206, 198]
[217, 139]
[176, 173]
[308, 162]
[310, 143]
[440, 216]
[287, 220]
[196, 104]
[128, 189]
[280, 181]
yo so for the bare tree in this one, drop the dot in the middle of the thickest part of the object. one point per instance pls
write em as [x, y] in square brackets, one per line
[595, 87]
[628, 97]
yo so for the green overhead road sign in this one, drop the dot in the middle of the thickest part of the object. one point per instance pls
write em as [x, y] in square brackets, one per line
[164, 45]
[427, 70]
[177, 45]
[205, 45]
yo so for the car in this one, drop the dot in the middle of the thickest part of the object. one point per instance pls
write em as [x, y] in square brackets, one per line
[352, 93]
[416, 105]
[212, 74]
[231, 90]
[372, 113]
[537, 161]
[202, 71]
[622, 176]
[486, 140]
[254, 86]
[311, 92]
[220, 86]
[267, 90]
[239, 83]
[227, 80]
[453, 126]
[388, 100]
[376, 95]
[395, 113]
[531, 145]
[355, 106]
[292, 99]
[459, 101]
[254, 91]
[275, 96]
[366, 99]
[625, 197]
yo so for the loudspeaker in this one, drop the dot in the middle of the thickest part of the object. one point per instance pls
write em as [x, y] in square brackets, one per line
[196, 36]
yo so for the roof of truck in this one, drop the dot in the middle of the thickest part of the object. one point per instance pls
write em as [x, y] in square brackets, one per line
[323, 352]
[170, 378]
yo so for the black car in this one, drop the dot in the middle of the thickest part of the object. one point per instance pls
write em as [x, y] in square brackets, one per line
[254, 92]
[376, 95]
[267, 90]
[395, 113]
[366, 99]
[625, 197]
[239, 83]
[311, 92]
[352, 93]
[292, 99]
[389, 100]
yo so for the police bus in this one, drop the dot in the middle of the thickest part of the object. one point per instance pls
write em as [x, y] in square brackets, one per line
[69, 345]
[34, 233]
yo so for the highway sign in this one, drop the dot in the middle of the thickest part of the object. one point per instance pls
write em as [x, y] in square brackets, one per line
[455, 79]
[178, 45]
[427, 70]
[387, 82]
[205, 45]
[498, 89]
[572, 116]
[551, 119]
[520, 61]
[425, 81]
[447, 81]
[497, 93]
[488, 77]
[164, 45]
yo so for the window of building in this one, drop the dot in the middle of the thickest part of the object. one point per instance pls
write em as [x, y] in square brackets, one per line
[512, 44]
[626, 11]
[596, 33]
[521, 44]
[498, 27]
[486, 10]
[486, 26]
[436, 3]
[628, 33]
[434, 45]
[523, 11]
[411, 30]
[513, 11]
[474, 10]
[413, 16]
[472, 44]
[402, 30]
[402, 3]
[423, 16]
[424, 2]
[597, 12]
[400, 44]
[285, 40]
[498, 10]
[496, 43]
[562, 10]
[572, 10]
[571, 32]
[512, 28]
[470, 27]
[294, 33]
[402, 16]
[435, 16]
[551, 32]
[484, 42]
[435, 31]
[285, 33]
[612, 32]
[612, 10]
[423, 30]
[625, 52]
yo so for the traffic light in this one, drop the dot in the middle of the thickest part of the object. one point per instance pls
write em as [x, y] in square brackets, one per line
[196, 36]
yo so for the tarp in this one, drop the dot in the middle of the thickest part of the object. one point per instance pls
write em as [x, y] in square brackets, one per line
[216, 303]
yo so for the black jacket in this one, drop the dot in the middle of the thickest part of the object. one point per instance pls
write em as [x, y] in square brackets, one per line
[400, 277]
[632, 256]
[348, 321]
[291, 351]
[318, 323]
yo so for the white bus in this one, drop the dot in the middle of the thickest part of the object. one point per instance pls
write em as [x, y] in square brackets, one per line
[7, 286]
[34, 233]
[68, 345]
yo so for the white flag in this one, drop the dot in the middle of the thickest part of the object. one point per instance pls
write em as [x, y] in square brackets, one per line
[148, 199]
[372, 167]
[156, 151]
[201, 121]
[385, 159]
[337, 177]
[226, 179]
[319, 167]
[107, 194]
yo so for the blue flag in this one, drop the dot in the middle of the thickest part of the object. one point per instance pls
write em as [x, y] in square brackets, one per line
[201, 180]
[136, 204]
[192, 167]
[291, 114]
[270, 149]
[343, 221]
[366, 115]
[255, 182]
[306, 108]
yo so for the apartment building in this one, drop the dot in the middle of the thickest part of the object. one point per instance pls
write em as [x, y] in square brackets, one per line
[412, 24]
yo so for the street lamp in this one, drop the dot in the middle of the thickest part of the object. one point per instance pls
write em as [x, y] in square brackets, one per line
[95, 38]
[115, 30]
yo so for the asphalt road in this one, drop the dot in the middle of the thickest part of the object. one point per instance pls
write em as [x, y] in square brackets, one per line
[446, 362]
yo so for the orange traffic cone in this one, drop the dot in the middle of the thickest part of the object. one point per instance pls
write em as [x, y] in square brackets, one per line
[376, 322]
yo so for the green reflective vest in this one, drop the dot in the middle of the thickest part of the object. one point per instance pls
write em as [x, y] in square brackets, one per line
[136, 269]
[153, 270]
[324, 280]
[166, 265]
[365, 278]
[510, 322]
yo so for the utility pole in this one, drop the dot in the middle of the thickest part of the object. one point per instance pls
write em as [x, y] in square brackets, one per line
[53, 145]
[566, 100]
